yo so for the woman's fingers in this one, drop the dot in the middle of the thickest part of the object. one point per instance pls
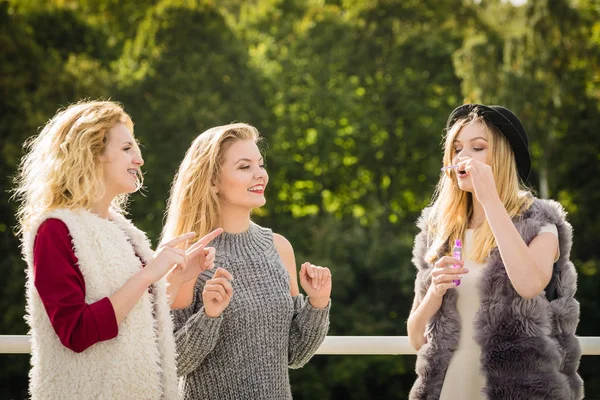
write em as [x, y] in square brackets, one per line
[175, 250]
[222, 272]
[175, 256]
[326, 275]
[197, 252]
[310, 270]
[446, 286]
[447, 261]
[449, 271]
[205, 240]
[179, 239]
[447, 278]
[215, 287]
[222, 282]
[211, 294]
[209, 257]
[195, 247]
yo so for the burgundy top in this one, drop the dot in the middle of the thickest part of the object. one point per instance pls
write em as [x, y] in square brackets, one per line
[61, 287]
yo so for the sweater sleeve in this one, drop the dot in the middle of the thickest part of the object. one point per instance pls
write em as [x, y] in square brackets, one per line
[61, 288]
[308, 330]
[196, 333]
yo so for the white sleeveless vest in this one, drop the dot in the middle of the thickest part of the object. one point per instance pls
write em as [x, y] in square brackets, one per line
[140, 362]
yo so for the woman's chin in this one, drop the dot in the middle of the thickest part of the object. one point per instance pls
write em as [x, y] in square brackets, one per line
[260, 203]
[128, 189]
[465, 187]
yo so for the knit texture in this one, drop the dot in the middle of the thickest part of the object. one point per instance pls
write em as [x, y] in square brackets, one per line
[245, 353]
[140, 362]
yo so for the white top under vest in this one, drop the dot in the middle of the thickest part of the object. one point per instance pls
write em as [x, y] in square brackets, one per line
[137, 364]
[463, 379]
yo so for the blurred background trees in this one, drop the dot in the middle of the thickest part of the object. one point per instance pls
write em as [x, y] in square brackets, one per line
[352, 98]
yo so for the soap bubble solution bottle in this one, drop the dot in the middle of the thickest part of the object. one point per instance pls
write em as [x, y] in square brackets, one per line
[457, 253]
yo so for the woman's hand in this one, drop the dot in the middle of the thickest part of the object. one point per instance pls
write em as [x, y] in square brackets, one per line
[165, 257]
[482, 178]
[316, 282]
[444, 274]
[198, 258]
[217, 293]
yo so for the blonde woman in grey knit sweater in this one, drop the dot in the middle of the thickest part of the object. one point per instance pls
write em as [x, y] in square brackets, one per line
[238, 329]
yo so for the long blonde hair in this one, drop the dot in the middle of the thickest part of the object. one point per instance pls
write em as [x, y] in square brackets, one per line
[62, 168]
[452, 207]
[193, 204]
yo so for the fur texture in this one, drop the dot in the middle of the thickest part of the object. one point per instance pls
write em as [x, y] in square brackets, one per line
[528, 347]
[140, 362]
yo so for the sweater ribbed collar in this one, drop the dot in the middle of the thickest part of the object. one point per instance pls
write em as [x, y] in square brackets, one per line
[254, 241]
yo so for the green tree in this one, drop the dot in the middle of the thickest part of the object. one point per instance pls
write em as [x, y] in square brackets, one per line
[184, 72]
[352, 97]
[361, 92]
[542, 61]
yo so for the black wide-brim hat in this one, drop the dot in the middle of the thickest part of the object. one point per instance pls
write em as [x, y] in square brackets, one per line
[507, 123]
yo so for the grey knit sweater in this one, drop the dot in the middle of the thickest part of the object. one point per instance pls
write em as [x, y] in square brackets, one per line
[246, 352]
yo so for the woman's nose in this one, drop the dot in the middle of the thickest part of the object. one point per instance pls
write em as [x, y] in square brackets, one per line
[261, 173]
[138, 160]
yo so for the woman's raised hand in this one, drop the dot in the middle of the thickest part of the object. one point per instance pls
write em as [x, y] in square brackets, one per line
[217, 293]
[316, 282]
[198, 258]
[165, 257]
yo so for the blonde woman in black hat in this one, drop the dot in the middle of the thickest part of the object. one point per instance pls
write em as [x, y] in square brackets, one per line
[494, 314]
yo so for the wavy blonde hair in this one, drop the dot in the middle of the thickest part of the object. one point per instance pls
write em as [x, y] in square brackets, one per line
[193, 204]
[452, 208]
[61, 168]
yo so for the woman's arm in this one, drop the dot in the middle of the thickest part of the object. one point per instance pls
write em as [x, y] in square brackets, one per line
[442, 278]
[197, 326]
[420, 314]
[529, 268]
[311, 318]
[182, 279]
[61, 288]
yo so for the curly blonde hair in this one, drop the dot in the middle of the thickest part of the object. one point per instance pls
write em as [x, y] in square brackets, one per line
[61, 168]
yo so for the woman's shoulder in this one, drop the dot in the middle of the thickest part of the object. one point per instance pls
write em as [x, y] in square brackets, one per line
[53, 223]
[547, 211]
[52, 232]
[53, 226]
[283, 246]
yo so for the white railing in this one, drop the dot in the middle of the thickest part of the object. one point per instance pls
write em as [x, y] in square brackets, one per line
[333, 345]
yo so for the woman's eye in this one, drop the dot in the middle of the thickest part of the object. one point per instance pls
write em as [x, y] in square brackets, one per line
[477, 149]
[263, 166]
[457, 150]
[244, 167]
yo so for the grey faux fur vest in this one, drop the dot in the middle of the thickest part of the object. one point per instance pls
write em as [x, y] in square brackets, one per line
[528, 347]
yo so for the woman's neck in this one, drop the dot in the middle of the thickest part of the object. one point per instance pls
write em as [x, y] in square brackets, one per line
[234, 220]
[102, 207]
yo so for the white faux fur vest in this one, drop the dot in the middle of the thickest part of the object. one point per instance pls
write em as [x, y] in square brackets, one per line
[140, 362]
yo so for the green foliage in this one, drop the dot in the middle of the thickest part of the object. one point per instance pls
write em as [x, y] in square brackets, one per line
[184, 72]
[352, 97]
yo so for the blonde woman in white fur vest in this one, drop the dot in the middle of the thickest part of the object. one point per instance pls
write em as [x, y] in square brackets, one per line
[97, 302]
